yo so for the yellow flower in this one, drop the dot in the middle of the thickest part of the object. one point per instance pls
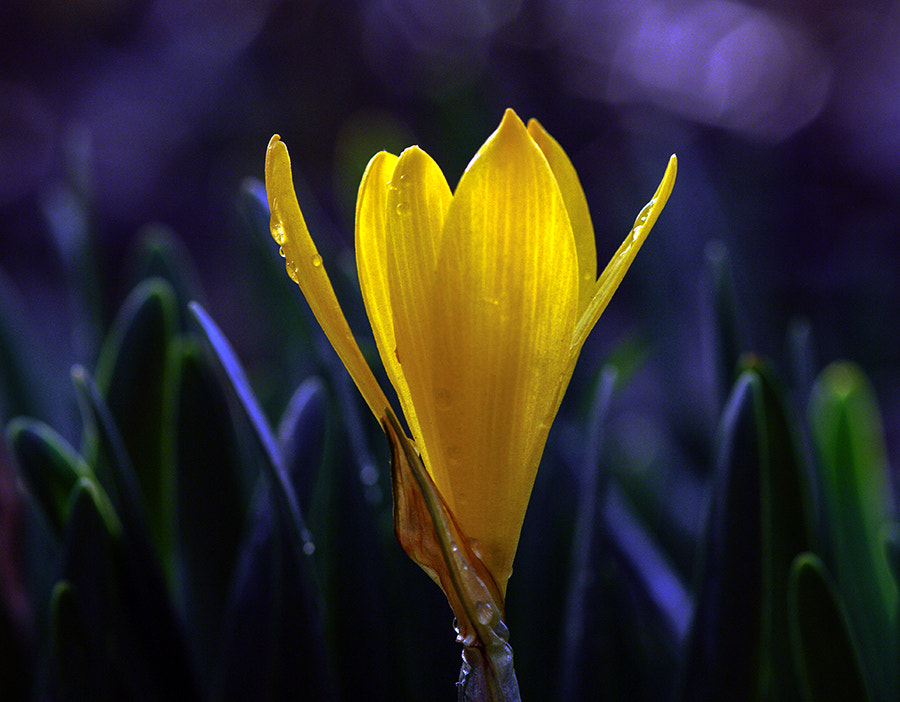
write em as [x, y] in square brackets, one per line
[480, 301]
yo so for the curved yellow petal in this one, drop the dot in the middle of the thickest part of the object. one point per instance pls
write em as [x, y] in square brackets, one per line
[417, 201]
[576, 205]
[304, 266]
[503, 304]
[371, 261]
[615, 270]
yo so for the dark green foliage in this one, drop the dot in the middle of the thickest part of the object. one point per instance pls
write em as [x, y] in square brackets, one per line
[853, 479]
[186, 550]
[826, 659]
[137, 369]
[49, 465]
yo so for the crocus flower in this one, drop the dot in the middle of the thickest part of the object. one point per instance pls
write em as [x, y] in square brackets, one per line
[480, 301]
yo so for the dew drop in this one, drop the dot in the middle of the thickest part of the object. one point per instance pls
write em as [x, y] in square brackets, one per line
[483, 612]
[402, 208]
[278, 232]
[636, 234]
[281, 251]
[316, 260]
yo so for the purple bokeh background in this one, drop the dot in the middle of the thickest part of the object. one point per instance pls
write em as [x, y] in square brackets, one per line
[785, 118]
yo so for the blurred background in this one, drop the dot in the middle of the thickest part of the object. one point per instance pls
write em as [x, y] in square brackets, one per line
[123, 117]
[784, 118]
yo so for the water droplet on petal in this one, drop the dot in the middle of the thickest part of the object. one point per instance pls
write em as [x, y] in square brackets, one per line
[278, 232]
[281, 251]
[402, 208]
[483, 612]
[316, 260]
[636, 234]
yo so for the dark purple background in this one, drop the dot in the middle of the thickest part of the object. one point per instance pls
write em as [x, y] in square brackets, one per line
[785, 118]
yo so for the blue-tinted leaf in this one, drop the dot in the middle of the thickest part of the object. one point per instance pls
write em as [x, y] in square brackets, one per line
[254, 206]
[723, 650]
[591, 493]
[284, 494]
[272, 620]
[301, 436]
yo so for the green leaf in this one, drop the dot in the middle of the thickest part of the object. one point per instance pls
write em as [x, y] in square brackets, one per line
[114, 470]
[723, 646]
[71, 647]
[49, 465]
[825, 657]
[847, 433]
[136, 374]
[85, 610]
[19, 391]
[161, 254]
[760, 520]
[116, 474]
[134, 645]
[211, 508]
[786, 521]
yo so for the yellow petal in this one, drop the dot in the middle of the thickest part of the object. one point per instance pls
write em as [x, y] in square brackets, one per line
[495, 338]
[413, 205]
[615, 270]
[371, 260]
[577, 207]
[304, 266]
